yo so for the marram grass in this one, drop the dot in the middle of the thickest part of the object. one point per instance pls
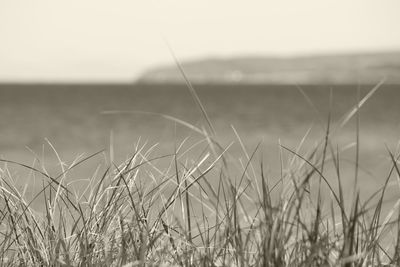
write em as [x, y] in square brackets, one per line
[198, 206]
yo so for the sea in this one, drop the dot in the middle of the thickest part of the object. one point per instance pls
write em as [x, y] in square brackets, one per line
[52, 126]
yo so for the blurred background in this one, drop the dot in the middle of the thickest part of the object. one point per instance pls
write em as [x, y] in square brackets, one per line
[63, 63]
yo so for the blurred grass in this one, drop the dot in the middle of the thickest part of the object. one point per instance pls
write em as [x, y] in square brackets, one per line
[201, 205]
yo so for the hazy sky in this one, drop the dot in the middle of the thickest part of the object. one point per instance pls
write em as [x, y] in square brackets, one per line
[115, 40]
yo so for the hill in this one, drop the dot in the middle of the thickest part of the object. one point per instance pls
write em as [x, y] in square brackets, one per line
[321, 69]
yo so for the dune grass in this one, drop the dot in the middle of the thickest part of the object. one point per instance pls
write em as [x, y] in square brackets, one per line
[198, 206]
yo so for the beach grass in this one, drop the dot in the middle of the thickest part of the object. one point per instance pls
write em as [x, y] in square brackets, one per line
[199, 206]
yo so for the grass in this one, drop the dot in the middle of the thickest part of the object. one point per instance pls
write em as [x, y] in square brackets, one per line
[198, 206]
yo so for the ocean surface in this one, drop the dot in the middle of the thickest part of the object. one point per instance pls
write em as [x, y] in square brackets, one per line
[71, 118]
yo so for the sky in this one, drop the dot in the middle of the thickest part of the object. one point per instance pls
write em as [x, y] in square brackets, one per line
[117, 40]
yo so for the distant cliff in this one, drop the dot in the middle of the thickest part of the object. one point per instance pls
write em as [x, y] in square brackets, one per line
[330, 69]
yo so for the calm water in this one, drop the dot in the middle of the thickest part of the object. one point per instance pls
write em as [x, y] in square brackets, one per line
[70, 117]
